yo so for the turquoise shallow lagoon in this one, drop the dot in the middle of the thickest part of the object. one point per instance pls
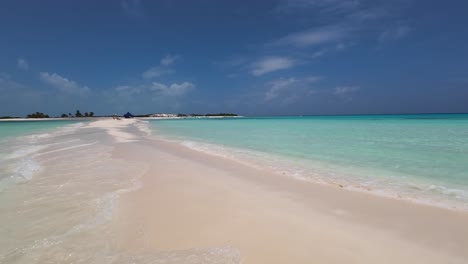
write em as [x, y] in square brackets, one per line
[10, 129]
[420, 157]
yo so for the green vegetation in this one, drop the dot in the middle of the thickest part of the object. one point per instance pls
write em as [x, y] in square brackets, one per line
[37, 115]
[8, 117]
[78, 114]
[91, 114]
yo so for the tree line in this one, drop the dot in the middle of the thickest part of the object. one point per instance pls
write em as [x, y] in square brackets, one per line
[77, 114]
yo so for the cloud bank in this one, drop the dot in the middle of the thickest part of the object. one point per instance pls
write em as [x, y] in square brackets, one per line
[63, 84]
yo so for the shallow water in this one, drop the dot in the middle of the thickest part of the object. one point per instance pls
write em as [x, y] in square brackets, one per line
[423, 158]
[59, 192]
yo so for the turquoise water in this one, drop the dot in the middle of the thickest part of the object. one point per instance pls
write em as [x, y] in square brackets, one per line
[422, 157]
[19, 139]
[10, 129]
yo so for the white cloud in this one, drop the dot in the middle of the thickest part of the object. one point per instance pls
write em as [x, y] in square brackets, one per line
[156, 72]
[126, 90]
[319, 53]
[63, 84]
[395, 33]
[173, 89]
[343, 90]
[168, 60]
[22, 64]
[277, 86]
[270, 64]
[315, 36]
[162, 69]
[280, 86]
[329, 10]
[155, 89]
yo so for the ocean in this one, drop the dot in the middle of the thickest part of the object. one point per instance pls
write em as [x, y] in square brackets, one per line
[60, 184]
[422, 158]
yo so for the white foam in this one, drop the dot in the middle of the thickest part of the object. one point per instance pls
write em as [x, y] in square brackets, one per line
[143, 126]
[66, 148]
[26, 169]
[393, 187]
[24, 151]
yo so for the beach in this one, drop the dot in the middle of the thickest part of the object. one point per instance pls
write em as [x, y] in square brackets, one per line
[141, 199]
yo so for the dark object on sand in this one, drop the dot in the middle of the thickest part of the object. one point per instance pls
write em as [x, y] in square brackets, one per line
[128, 115]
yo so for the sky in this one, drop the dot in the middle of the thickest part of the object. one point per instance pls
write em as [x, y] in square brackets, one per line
[284, 57]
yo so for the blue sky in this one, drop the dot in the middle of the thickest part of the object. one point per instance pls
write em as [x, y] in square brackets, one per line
[249, 57]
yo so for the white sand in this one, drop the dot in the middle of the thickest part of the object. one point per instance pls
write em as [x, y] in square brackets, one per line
[115, 128]
[191, 200]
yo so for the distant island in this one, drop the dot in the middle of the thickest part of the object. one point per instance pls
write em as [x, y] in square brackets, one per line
[91, 114]
[77, 114]
[37, 115]
[9, 117]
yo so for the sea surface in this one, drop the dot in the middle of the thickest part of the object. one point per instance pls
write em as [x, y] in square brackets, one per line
[422, 158]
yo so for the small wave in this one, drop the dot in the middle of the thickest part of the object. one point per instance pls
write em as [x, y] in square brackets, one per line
[23, 151]
[66, 148]
[143, 126]
[106, 206]
[26, 169]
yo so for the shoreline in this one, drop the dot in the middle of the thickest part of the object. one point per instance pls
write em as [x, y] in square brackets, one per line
[142, 199]
[113, 129]
[199, 204]
[414, 190]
